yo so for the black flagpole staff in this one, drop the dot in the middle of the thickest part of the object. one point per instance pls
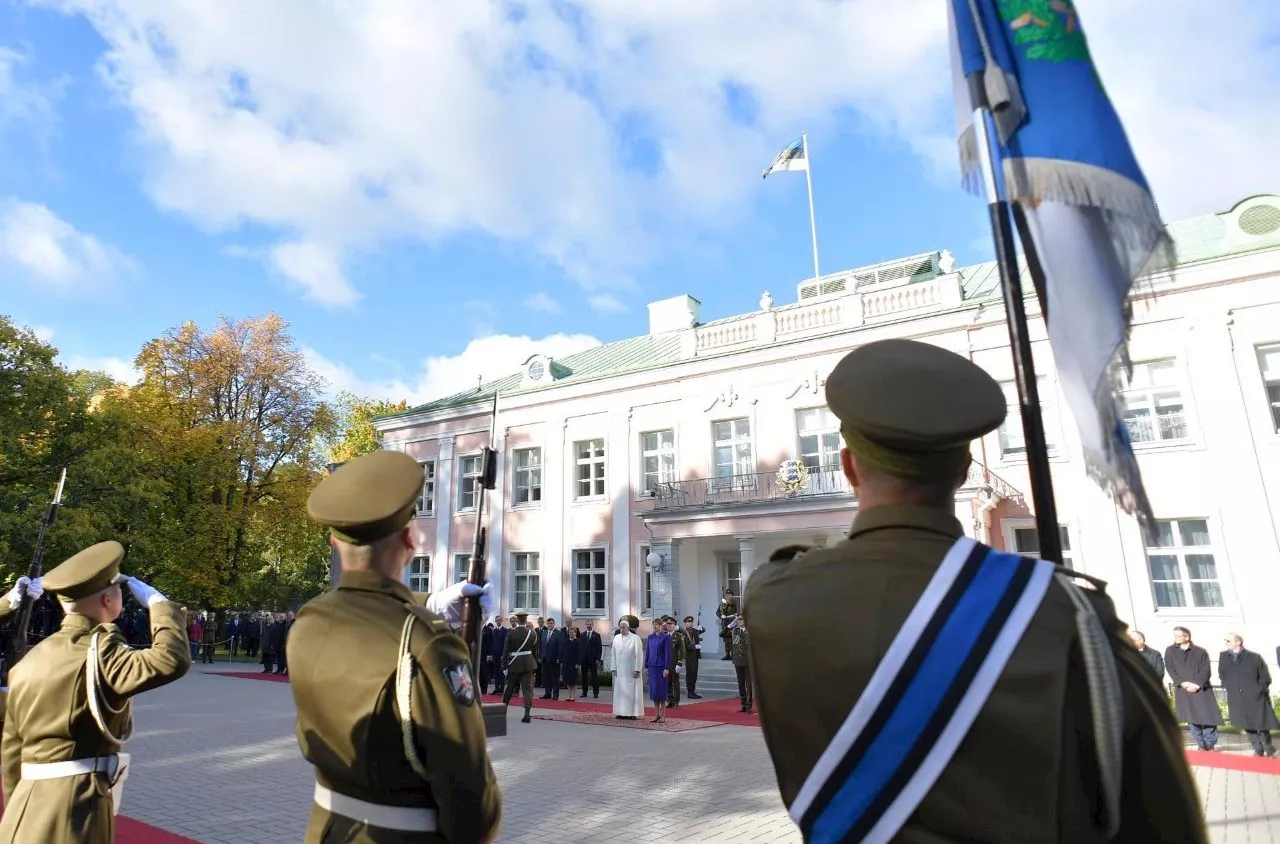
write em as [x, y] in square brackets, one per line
[1019, 336]
[495, 714]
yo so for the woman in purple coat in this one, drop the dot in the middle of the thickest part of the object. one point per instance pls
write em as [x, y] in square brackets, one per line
[657, 659]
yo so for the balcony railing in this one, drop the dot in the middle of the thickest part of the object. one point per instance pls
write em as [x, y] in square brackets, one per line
[754, 488]
[763, 487]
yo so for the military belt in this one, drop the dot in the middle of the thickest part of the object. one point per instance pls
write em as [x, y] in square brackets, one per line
[74, 768]
[515, 654]
[398, 818]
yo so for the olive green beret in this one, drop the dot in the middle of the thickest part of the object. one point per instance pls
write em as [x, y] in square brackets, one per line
[87, 573]
[912, 409]
[368, 498]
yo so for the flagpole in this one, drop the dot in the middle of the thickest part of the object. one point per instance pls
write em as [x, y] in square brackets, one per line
[813, 223]
[1019, 336]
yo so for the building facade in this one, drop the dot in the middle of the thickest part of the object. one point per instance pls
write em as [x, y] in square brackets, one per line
[704, 446]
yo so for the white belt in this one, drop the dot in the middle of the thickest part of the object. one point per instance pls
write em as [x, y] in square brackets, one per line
[108, 765]
[515, 654]
[399, 818]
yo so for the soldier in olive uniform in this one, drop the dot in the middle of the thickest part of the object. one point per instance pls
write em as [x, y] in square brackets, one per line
[520, 661]
[679, 659]
[1025, 763]
[388, 711]
[70, 703]
[727, 612]
[692, 633]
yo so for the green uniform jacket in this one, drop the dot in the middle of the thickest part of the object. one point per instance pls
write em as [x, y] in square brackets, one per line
[342, 654]
[1026, 773]
[49, 721]
[515, 642]
[679, 648]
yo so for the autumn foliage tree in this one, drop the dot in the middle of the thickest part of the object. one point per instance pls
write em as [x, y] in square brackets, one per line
[356, 434]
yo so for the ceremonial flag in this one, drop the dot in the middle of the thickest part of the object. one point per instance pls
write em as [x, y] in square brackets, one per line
[794, 157]
[1060, 153]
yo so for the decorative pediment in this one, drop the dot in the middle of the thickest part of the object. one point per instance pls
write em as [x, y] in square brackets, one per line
[538, 370]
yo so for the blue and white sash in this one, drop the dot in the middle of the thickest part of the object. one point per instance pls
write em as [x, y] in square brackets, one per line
[923, 697]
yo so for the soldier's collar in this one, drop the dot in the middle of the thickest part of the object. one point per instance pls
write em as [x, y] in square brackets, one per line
[371, 581]
[74, 621]
[908, 516]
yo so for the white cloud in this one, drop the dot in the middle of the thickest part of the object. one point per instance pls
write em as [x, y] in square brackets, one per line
[346, 125]
[488, 358]
[49, 252]
[20, 100]
[118, 368]
[43, 333]
[606, 303]
[543, 303]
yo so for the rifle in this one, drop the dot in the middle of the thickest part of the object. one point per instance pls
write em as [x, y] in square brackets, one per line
[495, 714]
[19, 644]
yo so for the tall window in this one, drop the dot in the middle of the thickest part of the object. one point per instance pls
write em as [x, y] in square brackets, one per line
[1026, 541]
[734, 454]
[427, 503]
[657, 459]
[469, 470]
[1013, 442]
[590, 455]
[646, 581]
[818, 436]
[527, 571]
[527, 482]
[589, 576]
[420, 574]
[1269, 362]
[1153, 407]
[461, 567]
[1184, 572]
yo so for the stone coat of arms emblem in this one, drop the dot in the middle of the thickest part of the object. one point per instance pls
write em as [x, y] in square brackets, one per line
[793, 476]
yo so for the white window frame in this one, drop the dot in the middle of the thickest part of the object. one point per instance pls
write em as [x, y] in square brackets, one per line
[599, 470]
[1070, 554]
[517, 573]
[1049, 419]
[418, 581]
[1270, 381]
[1149, 394]
[461, 567]
[522, 478]
[737, 479]
[646, 578]
[1185, 581]
[427, 501]
[827, 456]
[593, 553]
[469, 481]
[664, 474]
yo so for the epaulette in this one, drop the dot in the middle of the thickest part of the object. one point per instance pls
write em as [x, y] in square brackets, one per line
[787, 553]
[1070, 573]
[430, 620]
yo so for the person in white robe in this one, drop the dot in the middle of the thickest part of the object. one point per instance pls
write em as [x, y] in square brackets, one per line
[628, 665]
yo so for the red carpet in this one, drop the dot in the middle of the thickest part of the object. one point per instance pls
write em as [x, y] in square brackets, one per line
[129, 831]
[1234, 762]
[606, 719]
[250, 675]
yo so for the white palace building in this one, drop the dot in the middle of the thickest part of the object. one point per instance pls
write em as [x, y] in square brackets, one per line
[665, 448]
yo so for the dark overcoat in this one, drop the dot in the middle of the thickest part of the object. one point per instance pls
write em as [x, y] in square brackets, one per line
[1192, 665]
[1248, 684]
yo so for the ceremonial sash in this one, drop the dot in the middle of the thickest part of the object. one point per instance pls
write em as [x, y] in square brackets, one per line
[923, 697]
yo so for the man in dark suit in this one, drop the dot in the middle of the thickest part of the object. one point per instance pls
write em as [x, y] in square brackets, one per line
[552, 648]
[1248, 683]
[1151, 655]
[592, 656]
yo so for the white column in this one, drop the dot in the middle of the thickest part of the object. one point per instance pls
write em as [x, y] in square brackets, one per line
[618, 478]
[441, 565]
[495, 569]
[747, 554]
[557, 478]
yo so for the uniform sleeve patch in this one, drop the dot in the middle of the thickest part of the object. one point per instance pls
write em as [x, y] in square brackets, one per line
[461, 685]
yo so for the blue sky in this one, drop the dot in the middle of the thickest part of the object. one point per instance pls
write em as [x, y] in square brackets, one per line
[430, 195]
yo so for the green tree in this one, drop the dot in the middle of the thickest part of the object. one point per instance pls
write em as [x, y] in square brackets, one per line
[356, 435]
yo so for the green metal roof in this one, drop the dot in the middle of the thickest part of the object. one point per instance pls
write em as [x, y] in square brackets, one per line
[1199, 239]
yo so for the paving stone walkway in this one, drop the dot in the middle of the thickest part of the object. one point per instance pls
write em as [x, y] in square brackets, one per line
[215, 760]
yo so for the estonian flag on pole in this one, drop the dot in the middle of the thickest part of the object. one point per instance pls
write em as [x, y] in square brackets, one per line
[1061, 154]
[791, 158]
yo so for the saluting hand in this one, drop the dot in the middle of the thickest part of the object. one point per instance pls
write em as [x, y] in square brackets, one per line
[144, 594]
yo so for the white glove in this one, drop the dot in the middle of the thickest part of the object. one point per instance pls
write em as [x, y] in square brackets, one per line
[33, 588]
[143, 593]
[448, 603]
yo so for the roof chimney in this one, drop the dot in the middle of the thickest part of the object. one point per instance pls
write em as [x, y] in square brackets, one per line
[674, 314]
